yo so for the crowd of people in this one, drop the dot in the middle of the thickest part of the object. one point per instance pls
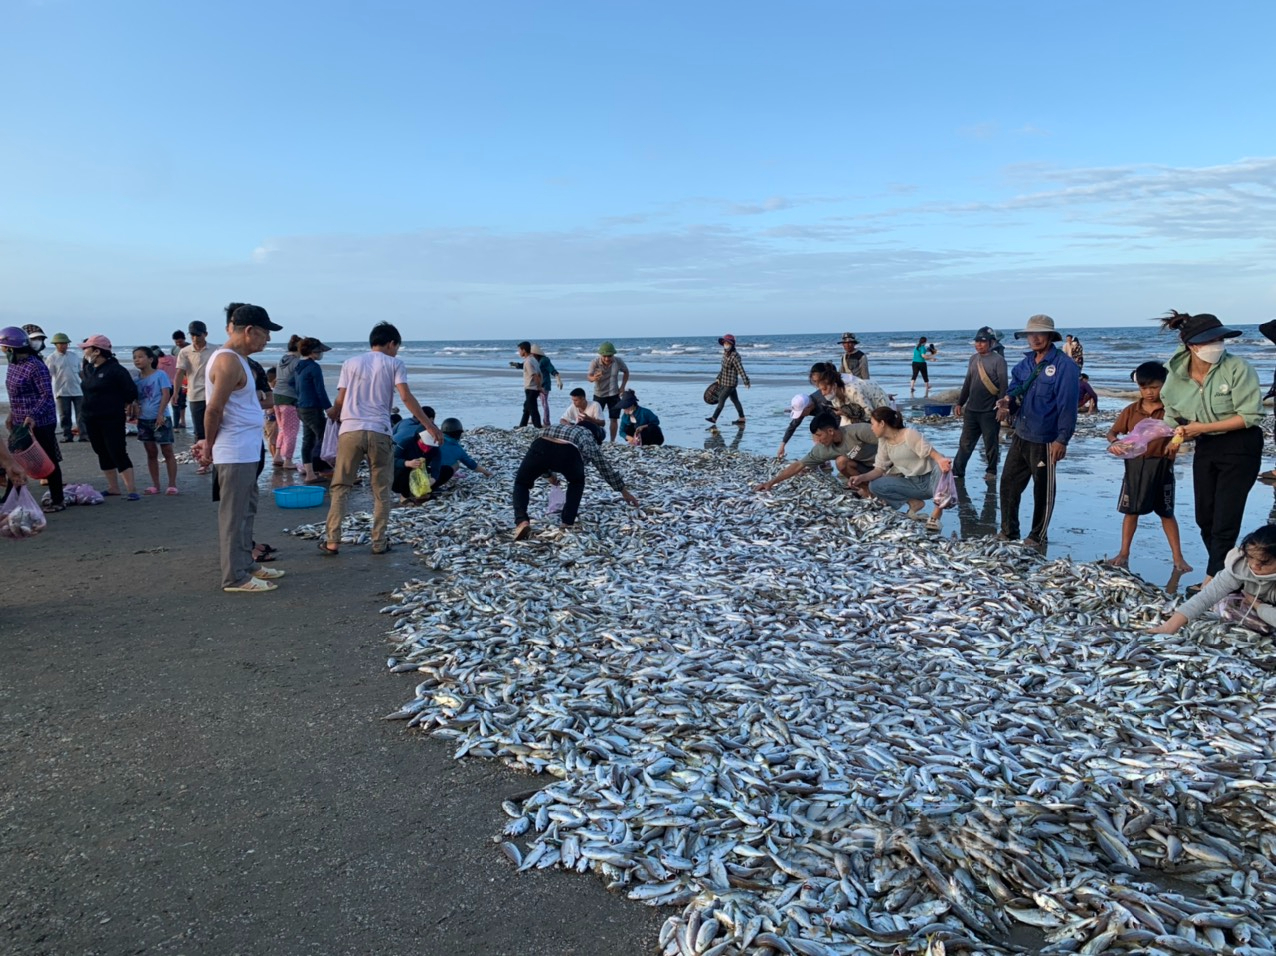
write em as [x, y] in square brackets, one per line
[239, 413]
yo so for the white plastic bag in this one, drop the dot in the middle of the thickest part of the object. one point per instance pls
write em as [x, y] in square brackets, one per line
[328, 451]
[20, 516]
[1236, 609]
[557, 499]
[946, 490]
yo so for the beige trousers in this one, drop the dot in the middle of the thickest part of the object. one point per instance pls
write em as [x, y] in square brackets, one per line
[352, 449]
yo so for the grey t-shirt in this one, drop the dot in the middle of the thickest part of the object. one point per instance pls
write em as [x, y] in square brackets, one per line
[857, 442]
[609, 384]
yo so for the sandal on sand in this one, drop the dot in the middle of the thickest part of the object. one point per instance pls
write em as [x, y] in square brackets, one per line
[522, 531]
[132, 496]
[172, 490]
[932, 523]
[268, 574]
[110, 494]
[253, 586]
[381, 548]
[151, 491]
[326, 551]
[53, 509]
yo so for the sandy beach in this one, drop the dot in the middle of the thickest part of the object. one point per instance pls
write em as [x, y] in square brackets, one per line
[189, 773]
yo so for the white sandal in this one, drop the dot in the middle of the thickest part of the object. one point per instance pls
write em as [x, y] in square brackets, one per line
[253, 586]
[269, 574]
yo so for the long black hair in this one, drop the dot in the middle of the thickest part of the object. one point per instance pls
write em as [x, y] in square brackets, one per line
[888, 417]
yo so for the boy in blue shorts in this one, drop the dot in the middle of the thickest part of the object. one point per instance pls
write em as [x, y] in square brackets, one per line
[1148, 486]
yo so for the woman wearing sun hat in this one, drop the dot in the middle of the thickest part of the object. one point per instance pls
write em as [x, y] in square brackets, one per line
[1215, 397]
[730, 375]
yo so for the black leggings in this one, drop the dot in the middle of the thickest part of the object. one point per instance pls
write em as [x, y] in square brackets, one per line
[919, 368]
[531, 407]
[546, 456]
[312, 426]
[1224, 469]
[106, 433]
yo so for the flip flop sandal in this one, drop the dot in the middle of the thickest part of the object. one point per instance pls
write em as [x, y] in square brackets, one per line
[172, 490]
[53, 509]
[326, 551]
[110, 494]
[132, 496]
[522, 532]
[151, 491]
[269, 574]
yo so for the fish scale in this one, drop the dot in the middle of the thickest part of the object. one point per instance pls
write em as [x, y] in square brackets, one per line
[992, 749]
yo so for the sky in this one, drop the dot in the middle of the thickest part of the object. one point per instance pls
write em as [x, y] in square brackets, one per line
[512, 170]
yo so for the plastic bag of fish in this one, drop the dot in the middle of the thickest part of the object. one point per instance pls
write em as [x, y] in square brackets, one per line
[82, 494]
[20, 516]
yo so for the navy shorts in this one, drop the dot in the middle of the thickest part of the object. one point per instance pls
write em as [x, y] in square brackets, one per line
[146, 431]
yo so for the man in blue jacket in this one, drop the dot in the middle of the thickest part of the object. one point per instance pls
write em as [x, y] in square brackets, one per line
[1043, 391]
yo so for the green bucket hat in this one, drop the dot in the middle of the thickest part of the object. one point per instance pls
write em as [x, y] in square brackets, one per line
[606, 349]
[60, 338]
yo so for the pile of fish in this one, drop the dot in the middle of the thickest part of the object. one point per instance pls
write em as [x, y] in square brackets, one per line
[814, 730]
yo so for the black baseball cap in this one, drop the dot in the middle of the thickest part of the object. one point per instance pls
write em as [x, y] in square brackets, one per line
[253, 315]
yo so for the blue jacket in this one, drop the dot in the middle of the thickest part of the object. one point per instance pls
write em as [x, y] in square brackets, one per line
[308, 380]
[644, 416]
[450, 452]
[1048, 407]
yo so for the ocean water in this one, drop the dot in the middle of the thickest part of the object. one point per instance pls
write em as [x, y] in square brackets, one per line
[1110, 356]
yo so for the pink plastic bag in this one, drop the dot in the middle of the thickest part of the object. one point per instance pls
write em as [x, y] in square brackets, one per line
[20, 516]
[328, 450]
[946, 490]
[1135, 444]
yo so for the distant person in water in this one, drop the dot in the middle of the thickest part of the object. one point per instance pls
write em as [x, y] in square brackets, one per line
[854, 362]
[921, 355]
[729, 376]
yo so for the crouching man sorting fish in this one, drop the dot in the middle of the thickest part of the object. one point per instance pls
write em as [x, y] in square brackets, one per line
[562, 449]
[851, 448]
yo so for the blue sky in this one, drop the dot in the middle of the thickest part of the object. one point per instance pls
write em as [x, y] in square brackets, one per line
[547, 170]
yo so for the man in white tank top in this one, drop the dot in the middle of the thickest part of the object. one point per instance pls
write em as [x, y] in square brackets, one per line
[232, 444]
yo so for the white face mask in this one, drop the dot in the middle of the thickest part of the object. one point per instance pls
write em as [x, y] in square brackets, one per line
[1210, 353]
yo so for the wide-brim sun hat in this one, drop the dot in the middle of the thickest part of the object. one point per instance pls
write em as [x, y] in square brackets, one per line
[1040, 325]
[96, 342]
[727, 339]
[1203, 328]
[536, 350]
[850, 337]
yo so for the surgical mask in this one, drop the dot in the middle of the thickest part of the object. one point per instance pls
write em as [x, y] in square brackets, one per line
[1211, 352]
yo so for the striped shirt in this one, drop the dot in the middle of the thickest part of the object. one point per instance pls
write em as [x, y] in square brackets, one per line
[589, 450]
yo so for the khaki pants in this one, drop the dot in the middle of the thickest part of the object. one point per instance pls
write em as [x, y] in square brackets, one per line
[352, 449]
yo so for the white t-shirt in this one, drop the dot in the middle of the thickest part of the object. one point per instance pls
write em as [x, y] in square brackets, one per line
[194, 362]
[592, 409]
[370, 381]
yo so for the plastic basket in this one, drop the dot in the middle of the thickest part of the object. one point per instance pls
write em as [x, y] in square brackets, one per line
[299, 496]
[937, 409]
[32, 458]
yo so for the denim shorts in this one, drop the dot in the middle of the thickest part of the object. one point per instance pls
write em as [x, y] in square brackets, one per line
[146, 431]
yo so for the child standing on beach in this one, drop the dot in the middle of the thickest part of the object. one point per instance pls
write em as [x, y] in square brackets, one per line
[154, 431]
[1148, 485]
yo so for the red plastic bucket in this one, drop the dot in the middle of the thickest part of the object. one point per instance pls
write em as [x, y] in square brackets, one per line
[32, 458]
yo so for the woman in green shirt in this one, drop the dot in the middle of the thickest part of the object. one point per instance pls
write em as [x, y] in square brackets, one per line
[1215, 398]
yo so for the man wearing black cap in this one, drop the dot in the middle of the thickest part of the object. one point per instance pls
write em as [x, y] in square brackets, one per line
[232, 423]
[977, 406]
[854, 362]
[191, 364]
